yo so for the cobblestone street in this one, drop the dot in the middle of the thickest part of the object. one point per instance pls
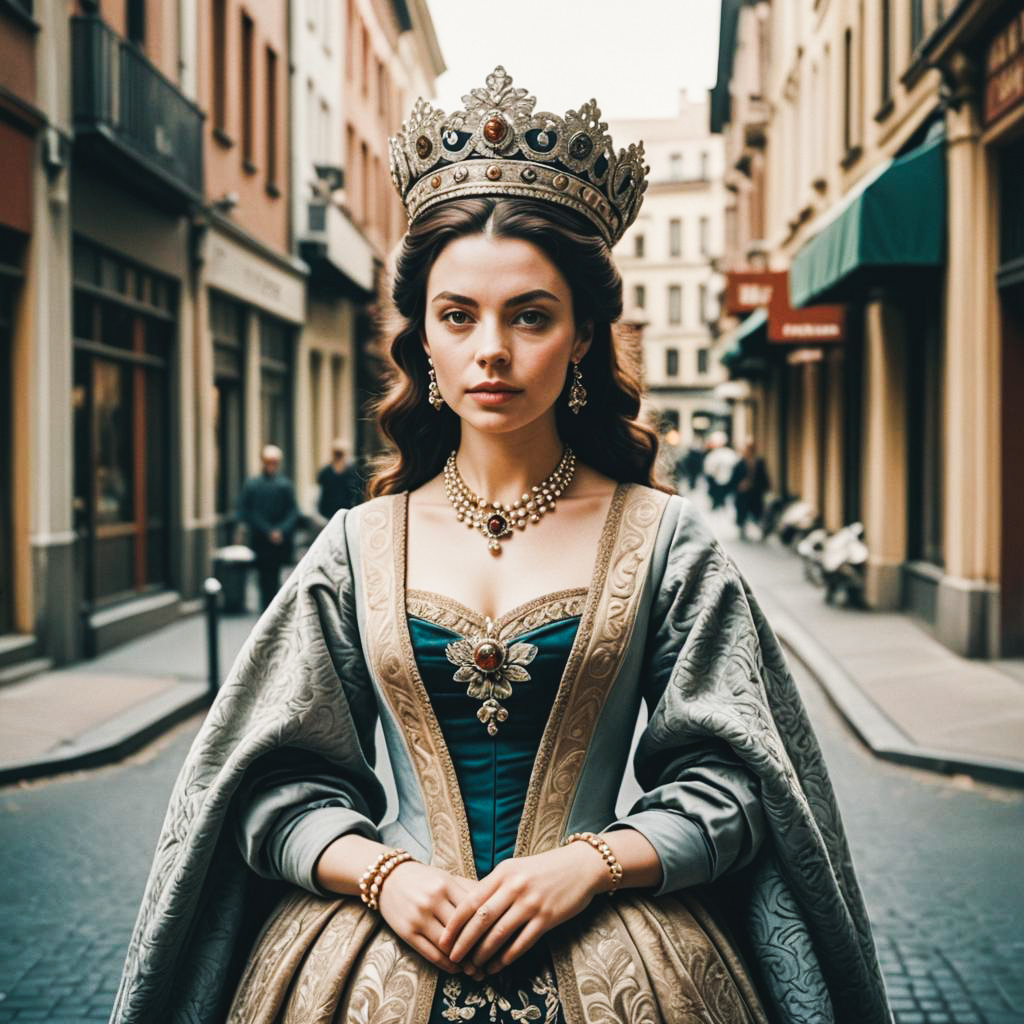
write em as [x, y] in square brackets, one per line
[938, 857]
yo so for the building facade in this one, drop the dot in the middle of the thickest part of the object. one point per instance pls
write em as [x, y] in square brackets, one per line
[667, 259]
[177, 256]
[856, 169]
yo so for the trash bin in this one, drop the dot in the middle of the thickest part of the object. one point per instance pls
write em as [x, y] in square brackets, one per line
[231, 566]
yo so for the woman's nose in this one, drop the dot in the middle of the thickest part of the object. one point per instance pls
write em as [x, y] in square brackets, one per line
[492, 346]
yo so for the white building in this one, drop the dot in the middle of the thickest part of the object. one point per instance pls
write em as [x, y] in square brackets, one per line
[667, 264]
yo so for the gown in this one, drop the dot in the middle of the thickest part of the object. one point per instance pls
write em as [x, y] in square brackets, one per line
[758, 917]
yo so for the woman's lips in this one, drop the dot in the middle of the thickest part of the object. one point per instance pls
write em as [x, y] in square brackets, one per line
[492, 398]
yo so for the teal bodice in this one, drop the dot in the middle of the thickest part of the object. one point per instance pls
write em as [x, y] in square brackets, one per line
[493, 771]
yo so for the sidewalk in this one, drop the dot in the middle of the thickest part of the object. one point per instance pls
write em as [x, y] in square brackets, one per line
[907, 696]
[98, 711]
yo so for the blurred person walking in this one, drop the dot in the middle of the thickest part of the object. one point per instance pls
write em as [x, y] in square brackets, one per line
[691, 463]
[719, 463]
[749, 483]
[268, 508]
[341, 483]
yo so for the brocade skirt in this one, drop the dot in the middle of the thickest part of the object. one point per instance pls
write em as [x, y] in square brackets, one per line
[627, 958]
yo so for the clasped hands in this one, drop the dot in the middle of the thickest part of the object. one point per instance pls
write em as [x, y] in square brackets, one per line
[481, 927]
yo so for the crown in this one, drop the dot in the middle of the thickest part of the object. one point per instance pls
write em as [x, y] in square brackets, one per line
[498, 145]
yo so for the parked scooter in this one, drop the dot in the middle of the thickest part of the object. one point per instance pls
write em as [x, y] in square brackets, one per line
[810, 550]
[796, 521]
[844, 559]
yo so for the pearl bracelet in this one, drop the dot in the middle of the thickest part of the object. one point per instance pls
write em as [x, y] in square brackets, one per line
[612, 862]
[373, 877]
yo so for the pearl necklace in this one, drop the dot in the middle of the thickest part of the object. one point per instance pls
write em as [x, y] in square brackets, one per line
[494, 520]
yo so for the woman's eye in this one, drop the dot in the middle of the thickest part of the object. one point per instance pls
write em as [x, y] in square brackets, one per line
[457, 317]
[532, 318]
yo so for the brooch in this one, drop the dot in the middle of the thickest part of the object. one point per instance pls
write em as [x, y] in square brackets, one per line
[490, 666]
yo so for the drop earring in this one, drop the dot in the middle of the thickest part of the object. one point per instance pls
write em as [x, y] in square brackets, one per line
[433, 392]
[577, 392]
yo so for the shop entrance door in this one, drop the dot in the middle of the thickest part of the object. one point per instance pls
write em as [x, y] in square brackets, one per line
[1012, 458]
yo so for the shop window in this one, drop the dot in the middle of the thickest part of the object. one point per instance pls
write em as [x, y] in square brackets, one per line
[316, 438]
[337, 396]
[135, 21]
[228, 329]
[121, 423]
[276, 385]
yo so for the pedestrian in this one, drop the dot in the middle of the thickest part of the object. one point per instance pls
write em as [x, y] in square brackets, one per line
[691, 464]
[719, 463]
[749, 484]
[506, 647]
[341, 484]
[268, 508]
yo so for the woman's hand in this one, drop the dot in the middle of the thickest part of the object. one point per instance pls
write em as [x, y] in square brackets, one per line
[418, 901]
[500, 917]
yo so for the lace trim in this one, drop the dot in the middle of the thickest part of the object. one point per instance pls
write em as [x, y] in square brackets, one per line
[459, 618]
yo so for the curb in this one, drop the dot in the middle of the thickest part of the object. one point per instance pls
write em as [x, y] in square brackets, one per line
[872, 726]
[115, 738]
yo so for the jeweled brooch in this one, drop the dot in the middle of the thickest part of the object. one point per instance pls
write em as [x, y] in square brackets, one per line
[490, 666]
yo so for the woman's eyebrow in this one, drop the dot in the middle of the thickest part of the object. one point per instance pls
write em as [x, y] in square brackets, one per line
[462, 300]
[537, 293]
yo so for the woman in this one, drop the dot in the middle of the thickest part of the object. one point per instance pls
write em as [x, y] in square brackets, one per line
[512, 592]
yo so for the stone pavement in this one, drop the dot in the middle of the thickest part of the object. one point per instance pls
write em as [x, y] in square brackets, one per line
[100, 710]
[906, 695]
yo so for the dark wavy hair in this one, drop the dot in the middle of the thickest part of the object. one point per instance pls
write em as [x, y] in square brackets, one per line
[606, 433]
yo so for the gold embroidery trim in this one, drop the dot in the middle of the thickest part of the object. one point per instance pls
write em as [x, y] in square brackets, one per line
[594, 662]
[459, 618]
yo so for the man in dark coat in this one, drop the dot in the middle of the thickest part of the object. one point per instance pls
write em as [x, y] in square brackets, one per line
[341, 485]
[749, 483]
[268, 508]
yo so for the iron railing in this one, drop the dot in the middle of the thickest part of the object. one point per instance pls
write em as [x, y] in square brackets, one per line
[118, 93]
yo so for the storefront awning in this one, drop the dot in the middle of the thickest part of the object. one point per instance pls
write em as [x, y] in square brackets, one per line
[894, 219]
[749, 336]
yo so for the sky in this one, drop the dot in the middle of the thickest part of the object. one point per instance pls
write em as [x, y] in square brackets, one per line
[633, 56]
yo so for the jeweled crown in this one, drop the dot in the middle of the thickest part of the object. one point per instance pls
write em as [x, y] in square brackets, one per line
[498, 145]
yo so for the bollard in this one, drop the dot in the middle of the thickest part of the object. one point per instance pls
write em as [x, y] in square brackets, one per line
[212, 589]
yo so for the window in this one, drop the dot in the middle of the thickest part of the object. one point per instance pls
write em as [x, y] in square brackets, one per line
[925, 17]
[702, 303]
[219, 36]
[639, 296]
[364, 64]
[271, 120]
[675, 237]
[364, 182]
[135, 21]
[382, 90]
[886, 61]
[705, 166]
[675, 166]
[675, 304]
[247, 97]
[316, 438]
[916, 23]
[848, 90]
[671, 362]
[638, 245]
[352, 34]
[228, 329]
[276, 384]
[705, 240]
[703, 360]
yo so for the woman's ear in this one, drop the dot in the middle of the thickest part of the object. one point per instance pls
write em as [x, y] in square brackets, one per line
[584, 337]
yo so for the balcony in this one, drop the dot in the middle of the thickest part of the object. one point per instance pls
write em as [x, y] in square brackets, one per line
[332, 242]
[124, 107]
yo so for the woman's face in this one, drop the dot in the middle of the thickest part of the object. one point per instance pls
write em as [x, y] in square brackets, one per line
[500, 329]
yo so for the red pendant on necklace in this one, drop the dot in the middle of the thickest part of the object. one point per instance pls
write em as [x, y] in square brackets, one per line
[497, 525]
[489, 655]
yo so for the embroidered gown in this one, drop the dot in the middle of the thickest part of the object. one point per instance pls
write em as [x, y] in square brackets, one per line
[736, 801]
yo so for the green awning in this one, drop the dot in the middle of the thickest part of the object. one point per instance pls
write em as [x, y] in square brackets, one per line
[748, 336]
[895, 219]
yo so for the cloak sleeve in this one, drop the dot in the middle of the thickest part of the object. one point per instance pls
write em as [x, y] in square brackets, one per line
[728, 758]
[297, 696]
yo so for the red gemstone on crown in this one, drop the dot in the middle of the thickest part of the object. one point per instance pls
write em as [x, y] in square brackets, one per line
[489, 655]
[495, 130]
